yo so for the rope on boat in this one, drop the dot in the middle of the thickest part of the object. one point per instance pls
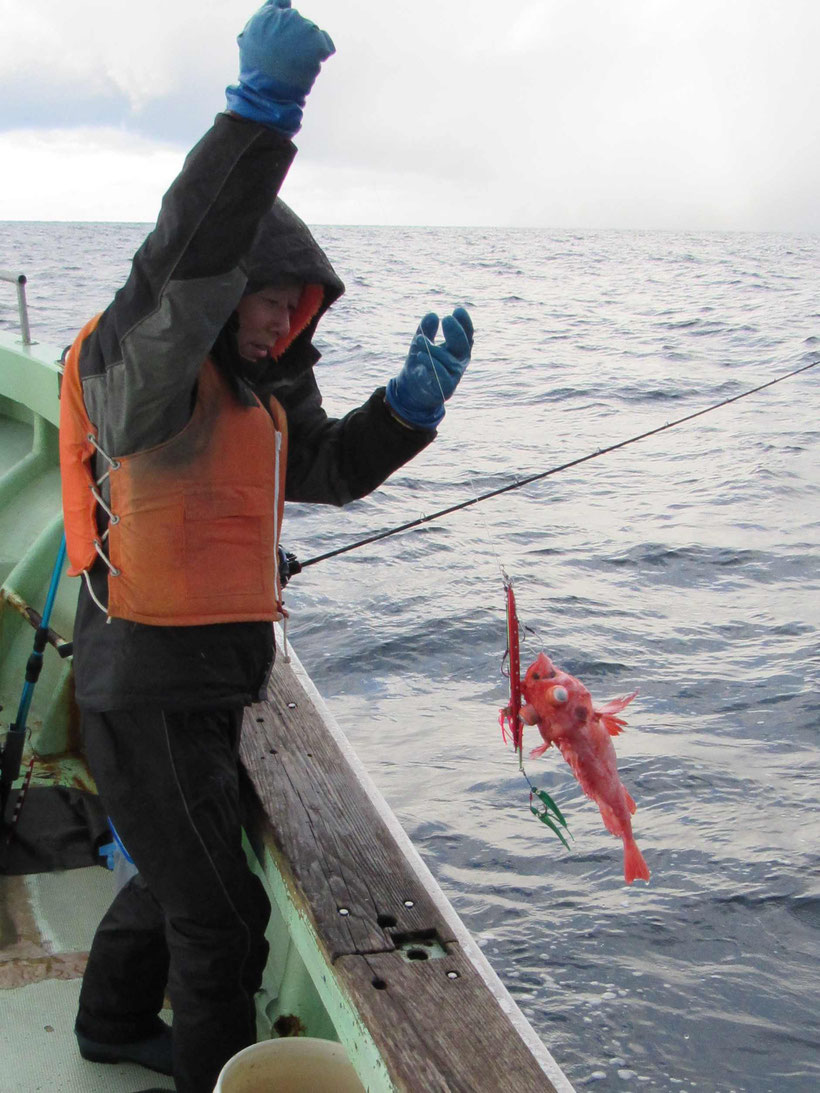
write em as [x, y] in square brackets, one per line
[553, 470]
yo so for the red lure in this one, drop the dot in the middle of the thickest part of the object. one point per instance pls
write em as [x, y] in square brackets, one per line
[510, 716]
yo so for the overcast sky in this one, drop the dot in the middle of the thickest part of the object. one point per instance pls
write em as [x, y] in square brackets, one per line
[691, 114]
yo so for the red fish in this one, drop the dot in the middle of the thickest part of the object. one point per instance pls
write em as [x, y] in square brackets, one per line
[562, 709]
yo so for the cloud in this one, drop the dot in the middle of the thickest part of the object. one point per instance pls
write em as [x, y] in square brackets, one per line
[83, 174]
[156, 69]
[651, 113]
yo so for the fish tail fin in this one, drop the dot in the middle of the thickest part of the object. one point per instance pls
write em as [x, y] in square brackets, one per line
[635, 868]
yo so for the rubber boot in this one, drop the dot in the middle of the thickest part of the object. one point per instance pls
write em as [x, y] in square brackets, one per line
[154, 1053]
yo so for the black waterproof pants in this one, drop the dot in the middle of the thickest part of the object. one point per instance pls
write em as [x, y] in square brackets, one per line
[194, 919]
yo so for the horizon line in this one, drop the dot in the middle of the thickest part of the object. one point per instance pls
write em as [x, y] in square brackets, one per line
[464, 227]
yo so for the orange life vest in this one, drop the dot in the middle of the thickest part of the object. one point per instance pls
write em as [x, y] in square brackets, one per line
[195, 520]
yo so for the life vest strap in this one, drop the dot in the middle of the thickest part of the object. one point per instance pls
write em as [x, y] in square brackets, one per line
[113, 465]
[112, 568]
[98, 497]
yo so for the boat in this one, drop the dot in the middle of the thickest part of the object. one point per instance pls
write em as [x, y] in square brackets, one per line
[366, 950]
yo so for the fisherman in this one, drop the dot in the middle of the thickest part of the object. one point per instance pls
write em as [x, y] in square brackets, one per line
[190, 411]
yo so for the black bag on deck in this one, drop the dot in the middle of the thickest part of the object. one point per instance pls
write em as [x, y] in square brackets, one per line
[59, 828]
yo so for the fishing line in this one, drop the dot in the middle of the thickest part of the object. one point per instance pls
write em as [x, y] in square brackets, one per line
[553, 470]
[489, 538]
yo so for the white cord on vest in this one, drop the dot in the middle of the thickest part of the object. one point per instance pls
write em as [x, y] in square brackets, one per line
[87, 579]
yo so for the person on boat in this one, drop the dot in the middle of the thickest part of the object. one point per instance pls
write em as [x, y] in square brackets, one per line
[189, 413]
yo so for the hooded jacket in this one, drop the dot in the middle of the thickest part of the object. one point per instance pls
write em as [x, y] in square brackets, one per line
[221, 233]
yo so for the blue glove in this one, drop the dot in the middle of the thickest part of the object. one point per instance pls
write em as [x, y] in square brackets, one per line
[280, 55]
[431, 372]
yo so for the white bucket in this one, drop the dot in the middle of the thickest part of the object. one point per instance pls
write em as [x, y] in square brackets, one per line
[293, 1064]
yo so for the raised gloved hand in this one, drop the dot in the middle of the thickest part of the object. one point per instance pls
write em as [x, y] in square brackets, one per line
[431, 372]
[280, 55]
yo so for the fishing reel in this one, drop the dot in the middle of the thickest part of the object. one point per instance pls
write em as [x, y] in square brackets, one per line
[289, 565]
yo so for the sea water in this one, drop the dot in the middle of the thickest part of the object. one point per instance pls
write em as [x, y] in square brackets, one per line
[685, 565]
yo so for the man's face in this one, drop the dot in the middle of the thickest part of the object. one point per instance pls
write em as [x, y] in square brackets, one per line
[264, 318]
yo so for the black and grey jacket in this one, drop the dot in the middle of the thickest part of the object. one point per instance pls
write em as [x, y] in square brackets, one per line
[221, 231]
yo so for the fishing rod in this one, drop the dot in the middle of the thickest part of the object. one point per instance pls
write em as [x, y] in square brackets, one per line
[11, 755]
[296, 566]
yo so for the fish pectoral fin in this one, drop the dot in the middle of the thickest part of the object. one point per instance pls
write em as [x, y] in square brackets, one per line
[529, 715]
[615, 705]
[613, 725]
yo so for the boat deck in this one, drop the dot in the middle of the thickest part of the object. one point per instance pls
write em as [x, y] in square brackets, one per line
[47, 921]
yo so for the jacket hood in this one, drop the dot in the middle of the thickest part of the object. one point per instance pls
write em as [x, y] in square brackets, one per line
[282, 249]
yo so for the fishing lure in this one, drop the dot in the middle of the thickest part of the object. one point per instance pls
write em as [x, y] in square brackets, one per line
[511, 720]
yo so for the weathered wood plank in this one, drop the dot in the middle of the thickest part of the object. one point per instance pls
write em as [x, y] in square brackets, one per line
[341, 853]
[439, 1026]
